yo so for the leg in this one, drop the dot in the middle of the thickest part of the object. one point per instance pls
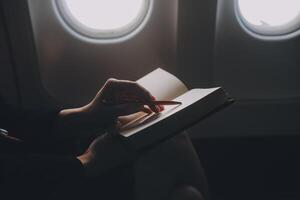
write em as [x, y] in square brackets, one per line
[168, 165]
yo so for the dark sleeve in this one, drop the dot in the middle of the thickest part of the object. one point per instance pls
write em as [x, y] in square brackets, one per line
[24, 124]
[21, 172]
[31, 176]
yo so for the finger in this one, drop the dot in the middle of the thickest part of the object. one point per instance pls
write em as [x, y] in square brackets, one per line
[154, 108]
[127, 109]
[160, 107]
[147, 110]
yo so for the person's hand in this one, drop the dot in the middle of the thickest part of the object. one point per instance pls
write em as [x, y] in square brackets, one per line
[121, 97]
[106, 152]
[116, 98]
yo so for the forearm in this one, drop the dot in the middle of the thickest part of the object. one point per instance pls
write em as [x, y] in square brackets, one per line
[79, 122]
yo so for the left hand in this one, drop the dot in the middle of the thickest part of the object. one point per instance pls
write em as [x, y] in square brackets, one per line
[104, 153]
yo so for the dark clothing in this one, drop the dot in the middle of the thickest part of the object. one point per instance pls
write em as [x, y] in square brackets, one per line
[36, 168]
[24, 171]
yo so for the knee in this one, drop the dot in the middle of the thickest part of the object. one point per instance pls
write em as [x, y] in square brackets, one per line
[186, 193]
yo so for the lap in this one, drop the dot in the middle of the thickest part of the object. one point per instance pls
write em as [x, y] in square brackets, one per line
[161, 169]
[115, 184]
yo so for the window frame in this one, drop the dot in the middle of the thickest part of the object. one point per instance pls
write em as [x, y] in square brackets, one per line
[285, 31]
[89, 33]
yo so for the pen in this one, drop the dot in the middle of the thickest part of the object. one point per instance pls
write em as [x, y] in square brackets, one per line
[150, 102]
[165, 103]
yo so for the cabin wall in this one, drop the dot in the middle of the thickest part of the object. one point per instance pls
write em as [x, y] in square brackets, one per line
[196, 35]
[249, 150]
[73, 69]
[8, 86]
[23, 57]
[252, 68]
[262, 76]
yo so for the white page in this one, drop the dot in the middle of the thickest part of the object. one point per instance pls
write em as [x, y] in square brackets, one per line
[163, 85]
[187, 99]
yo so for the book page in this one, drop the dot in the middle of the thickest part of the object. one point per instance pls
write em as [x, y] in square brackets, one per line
[163, 85]
[187, 99]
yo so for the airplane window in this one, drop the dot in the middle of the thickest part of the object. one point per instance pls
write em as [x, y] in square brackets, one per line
[270, 17]
[103, 18]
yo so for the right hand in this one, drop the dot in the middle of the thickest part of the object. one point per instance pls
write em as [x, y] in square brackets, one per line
[112, 101]
[116, 98]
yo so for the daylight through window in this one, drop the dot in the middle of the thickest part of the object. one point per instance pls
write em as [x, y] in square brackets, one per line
[103, 18]
[270, 17]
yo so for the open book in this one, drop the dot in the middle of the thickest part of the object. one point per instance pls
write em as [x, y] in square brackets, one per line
[142, 130]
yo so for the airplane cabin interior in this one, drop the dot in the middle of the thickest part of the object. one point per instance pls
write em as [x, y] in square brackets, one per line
[57, 54]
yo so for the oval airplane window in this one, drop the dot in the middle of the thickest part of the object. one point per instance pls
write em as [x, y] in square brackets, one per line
[270, 17]
[103, 18]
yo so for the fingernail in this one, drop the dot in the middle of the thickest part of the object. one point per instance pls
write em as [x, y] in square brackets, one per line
[157, 108]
